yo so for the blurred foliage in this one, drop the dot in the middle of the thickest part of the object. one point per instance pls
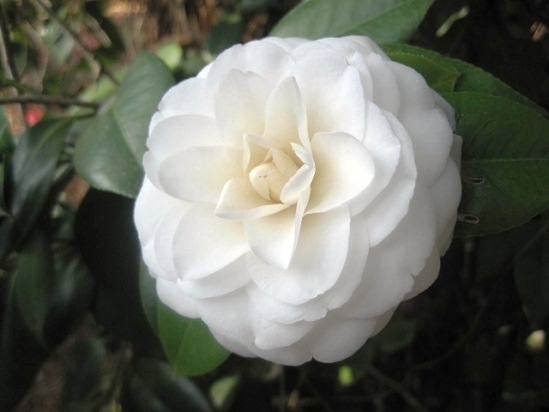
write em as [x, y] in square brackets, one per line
[81, 329]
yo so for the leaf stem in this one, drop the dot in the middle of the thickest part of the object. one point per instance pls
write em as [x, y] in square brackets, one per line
[48, 100]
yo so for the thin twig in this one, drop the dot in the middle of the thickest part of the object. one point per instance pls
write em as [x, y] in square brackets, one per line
[8, 65]
[48, 100]
[87, 53]
[397, 387]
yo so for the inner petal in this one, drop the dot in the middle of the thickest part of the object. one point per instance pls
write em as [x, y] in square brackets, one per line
[269, 178]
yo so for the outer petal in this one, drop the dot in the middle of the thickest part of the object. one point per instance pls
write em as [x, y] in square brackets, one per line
[427, 125]
[199, 173]
[272, 335]
[179, 132]
[173, 297]
[204, 243]
[317, 264]
[446, 194]
[387, 209]
[176, 101]
[337, 338]
[333, 96]
[392, 265]
[384, 147]
[227, 280]
[344, 168]
[151, 207]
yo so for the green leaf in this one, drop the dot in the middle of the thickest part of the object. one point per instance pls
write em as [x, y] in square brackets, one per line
[505, 166]
[189, 345]
[387, 21]
[109, 154]
[224, 34]
[531, 273]
[34, 164]
[439, 71]
[178, 394]
[33, 282]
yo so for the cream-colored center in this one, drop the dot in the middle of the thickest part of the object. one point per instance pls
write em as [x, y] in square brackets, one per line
[269, 178]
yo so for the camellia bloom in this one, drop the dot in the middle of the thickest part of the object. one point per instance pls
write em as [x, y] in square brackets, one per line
[296, 192]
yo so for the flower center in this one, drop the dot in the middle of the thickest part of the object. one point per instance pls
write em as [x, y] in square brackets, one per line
[269, 178]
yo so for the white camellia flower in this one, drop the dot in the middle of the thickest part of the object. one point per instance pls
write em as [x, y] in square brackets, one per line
[296, 192]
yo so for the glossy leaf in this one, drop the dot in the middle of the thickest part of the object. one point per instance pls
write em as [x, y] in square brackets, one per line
[33, 282]
[109, 153]
[189, 345]
[439, 71]
[384, 21]
[33, 168]
[505, 162]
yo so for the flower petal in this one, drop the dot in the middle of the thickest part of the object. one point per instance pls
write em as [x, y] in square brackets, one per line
[384, 147]
[302, 179]
[333, 96]
[199, 173]
[226, 280]
[204, 244]
[176, 100]
[273, 238]
[388, 279]
[175, 133]
[336, 296]
[426, 123]
[169, 293]
[151, 208]
[344, 168]
[285, 116]
[273, 335]
[316, 265]
[338, 338]
[240, 106]
[239, 200]
[388, 208]
[446, 194]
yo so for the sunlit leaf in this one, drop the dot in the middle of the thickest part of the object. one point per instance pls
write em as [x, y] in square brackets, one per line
[109, 153]
[384, 21]
[505, 166]
[189, 345]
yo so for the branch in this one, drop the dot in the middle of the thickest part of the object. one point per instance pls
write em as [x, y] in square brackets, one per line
[48, 100]
[87, 53]
[8, 65]
[397, 387]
